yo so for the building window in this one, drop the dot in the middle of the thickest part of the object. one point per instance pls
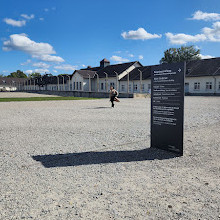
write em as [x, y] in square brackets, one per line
[102, 86]
[135, 87]
[149, 87]
[80, 86]
[208, 85]
[112, 84]
[142, 87]
[219, 85]
[122, 88]
[197, 86]
[129, 88]
[77, 86]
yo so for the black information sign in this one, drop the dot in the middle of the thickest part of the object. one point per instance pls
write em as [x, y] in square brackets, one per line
[167, 106]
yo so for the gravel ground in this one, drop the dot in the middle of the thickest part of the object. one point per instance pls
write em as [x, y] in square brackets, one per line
[22, 95]
[84, 160]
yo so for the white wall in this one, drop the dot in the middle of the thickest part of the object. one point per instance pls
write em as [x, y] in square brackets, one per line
[132, 86]
[77, 78]
[203, 80]
[8, 88]
[111, 81]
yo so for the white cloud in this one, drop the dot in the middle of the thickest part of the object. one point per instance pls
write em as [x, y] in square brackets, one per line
[213, 34]
[41, 19]
[41, 65]
[199, 15]
[41, 51]
[139, 34]
[46, 9]
[197, 47]
[5, 71]
[3, 38]
[28, 71]
[49, 58]
[208, 34]
[41, 70]
[83, 65]
[55, 71]
[141, 57]
[66, 67]
[26, 63]
[21, 42]
[28, 17]
[131, 55]
[205, 56]
[15, 23]
[119, 59]
[184, 38]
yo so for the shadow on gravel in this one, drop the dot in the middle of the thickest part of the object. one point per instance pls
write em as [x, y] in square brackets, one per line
[87, 158]
[98, 108]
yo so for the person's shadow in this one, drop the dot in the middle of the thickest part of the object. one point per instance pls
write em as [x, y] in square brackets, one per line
[103, 107]
[93, 157]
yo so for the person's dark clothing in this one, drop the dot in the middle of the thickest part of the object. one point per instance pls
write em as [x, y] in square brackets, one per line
[113, 94]
[112, 100]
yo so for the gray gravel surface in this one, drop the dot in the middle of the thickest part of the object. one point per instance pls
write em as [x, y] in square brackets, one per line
[23, 95]
[84, 160]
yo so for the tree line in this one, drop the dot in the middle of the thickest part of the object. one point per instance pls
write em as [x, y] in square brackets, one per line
[21, 74]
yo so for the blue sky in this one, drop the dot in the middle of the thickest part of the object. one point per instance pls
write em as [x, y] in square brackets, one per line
[57, 36]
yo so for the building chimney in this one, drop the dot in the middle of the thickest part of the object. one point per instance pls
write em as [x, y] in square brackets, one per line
[89, 67]
[104, 63]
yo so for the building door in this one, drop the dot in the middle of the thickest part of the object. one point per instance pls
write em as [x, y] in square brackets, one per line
[186, 87]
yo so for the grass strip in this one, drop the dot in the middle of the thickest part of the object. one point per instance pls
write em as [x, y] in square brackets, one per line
[43, 99]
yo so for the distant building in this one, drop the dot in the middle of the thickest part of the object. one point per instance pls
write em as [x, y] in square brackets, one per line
[99, 79]
[202, 77]
[11, 84]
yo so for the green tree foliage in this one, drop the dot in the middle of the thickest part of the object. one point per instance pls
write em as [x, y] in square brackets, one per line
[64, 74]
[17, 74]
[45, 79]
[34, 75]
[1, 75]
[48, 74]
[174, 55]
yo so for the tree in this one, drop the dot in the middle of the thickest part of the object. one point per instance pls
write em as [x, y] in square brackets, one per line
[34, 75]
[17, 74]
[1, 75]
[174, 55]
[44, 80]
[63, 74]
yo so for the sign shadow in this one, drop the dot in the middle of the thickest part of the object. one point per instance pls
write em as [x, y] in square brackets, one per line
[105, 157]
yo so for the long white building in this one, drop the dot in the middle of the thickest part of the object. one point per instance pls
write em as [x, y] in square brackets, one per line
[11, 84]
[202, 78]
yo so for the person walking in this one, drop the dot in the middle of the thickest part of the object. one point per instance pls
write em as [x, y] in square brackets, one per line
[113, 95]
